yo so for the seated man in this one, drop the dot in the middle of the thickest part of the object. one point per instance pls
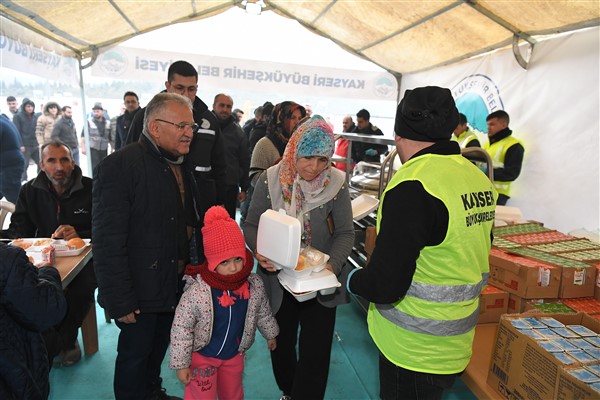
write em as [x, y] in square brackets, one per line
[58, 203]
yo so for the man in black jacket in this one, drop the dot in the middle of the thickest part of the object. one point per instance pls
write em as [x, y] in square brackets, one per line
[64, 130]
[58, 202]
[146, 230]
[206, 154]
[25, 121]
[124, 121]
[237, 153]
[362, 151]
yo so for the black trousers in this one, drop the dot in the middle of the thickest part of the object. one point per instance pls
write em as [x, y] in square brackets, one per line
[80, 297]
[303, 375]
[97, 156]
[231, 198]
[396, 383]
[140, 352]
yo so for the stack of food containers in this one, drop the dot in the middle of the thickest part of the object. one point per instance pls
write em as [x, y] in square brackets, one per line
[303, 271]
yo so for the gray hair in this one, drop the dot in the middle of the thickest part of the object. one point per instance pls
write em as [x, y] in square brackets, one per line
[161, 101]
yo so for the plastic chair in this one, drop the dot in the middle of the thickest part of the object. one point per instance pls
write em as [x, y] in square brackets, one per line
[6, 208]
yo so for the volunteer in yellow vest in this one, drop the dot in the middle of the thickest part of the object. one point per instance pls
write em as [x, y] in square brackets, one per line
[430, 260]
[463, 135]
[506, 153]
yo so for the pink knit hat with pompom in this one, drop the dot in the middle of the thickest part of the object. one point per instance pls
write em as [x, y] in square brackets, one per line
[222, 237]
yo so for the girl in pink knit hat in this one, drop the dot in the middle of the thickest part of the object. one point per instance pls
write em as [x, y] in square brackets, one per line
[216, 319]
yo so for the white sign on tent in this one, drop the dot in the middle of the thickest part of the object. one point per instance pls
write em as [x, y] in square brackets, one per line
[32, 60]
[138, 64]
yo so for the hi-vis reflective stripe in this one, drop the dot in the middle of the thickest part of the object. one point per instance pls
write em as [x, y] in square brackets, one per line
[428, 326]
[447, 294]
[203, 169]
[208, 131]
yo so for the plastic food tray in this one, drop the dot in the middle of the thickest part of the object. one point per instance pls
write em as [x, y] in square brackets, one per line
[59, 245]
[314, 261]
[363, 205]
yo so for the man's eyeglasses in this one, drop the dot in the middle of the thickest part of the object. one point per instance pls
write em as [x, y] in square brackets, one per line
[180, 89]
[182, 126]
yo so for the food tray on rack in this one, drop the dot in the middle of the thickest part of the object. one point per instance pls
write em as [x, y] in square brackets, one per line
[35, 245]
[363, 205]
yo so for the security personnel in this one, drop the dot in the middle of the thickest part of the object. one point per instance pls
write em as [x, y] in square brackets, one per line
[463, 135]
[506, 153]
[430, 260]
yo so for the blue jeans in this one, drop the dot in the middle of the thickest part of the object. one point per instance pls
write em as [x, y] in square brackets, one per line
[399, 383]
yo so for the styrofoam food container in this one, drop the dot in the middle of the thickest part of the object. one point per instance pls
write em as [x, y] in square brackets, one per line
[363, 205]
[278, 238]
[314, 261]
[312, 294]
[324, 279]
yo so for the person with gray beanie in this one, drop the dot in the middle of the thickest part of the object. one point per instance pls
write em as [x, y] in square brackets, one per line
[430, 261]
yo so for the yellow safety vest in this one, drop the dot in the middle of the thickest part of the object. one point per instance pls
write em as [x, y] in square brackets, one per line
[497, 152]
[431, 328]
[465, 138]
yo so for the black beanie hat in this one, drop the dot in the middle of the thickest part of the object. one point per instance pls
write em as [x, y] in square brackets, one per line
[426, 114]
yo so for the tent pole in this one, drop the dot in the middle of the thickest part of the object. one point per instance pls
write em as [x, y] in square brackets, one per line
[86, 132]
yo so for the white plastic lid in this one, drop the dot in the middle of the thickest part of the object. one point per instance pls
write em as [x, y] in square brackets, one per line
[278, 238]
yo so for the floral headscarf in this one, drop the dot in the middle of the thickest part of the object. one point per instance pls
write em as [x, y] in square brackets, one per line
[314, 137]
[276, 131]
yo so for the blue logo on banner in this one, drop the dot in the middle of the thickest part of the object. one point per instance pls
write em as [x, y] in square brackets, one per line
[477, 96]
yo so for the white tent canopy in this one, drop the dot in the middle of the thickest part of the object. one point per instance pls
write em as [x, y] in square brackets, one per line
[400, 36]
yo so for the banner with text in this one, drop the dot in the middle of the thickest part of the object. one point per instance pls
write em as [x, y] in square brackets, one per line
[221, 72]
[32, 60]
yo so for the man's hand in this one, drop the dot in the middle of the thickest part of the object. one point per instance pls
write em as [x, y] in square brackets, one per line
[184, 375]
[242, 196]
[66, 232]
[129, 318]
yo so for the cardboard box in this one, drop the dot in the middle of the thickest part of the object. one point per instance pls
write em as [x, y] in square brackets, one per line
[526, 278]
[493, 303]
[521, 369]
[516, 304]
[597, 287]
[577, 282]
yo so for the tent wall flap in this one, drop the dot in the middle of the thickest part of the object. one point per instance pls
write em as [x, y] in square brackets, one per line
[400, 36]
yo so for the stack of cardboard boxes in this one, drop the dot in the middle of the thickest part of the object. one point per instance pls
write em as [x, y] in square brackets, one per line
[536, 265]
[544, 271]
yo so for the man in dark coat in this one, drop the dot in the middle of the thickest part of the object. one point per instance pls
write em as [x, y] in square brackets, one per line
[58, 203]
[207, 155]
[362, 151]
[25, 121]
[64, 131]
[236, 152]
[146, 230]
[11, 160]
[124, 121]
[31, 301]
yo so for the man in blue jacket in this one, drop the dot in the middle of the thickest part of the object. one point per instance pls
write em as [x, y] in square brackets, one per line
[146, 209]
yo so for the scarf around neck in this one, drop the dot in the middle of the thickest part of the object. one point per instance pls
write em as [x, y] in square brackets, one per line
[167, 155]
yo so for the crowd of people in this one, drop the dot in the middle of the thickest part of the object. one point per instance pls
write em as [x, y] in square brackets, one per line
[173, 268]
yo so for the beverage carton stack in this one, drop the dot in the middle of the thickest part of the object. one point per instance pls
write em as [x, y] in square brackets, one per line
[548, 342]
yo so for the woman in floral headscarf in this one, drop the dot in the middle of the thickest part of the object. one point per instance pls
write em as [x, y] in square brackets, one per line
[284, 119]
[309, 189]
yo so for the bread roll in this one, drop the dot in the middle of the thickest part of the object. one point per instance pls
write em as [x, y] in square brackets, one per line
[75, 244]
